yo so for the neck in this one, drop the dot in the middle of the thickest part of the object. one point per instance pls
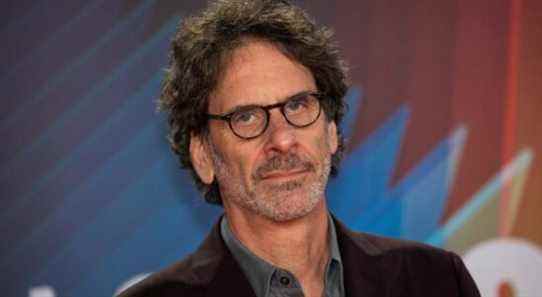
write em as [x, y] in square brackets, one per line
[299, 246]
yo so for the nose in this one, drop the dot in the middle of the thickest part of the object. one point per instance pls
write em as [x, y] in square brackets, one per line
[281, 136]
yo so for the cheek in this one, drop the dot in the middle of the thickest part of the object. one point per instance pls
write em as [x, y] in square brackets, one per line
[238, 158]
[240, 161]
[323, 142]
[323, 147]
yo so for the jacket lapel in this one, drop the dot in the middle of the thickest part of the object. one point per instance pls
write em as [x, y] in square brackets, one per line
[229, 279]
[362, 270]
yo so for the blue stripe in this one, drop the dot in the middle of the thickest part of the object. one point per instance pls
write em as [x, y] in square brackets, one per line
[164, 215]
[353, 99]
[86, 104]
[366, 173]
[120, 72]
[130, 23]
[412, 181]
[135, 113]
[53, 40]
[50, 237]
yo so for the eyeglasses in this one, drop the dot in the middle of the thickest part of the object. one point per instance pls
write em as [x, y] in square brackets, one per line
[248, 122]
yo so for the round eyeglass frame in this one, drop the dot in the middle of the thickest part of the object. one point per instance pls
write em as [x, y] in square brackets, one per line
[227, 117]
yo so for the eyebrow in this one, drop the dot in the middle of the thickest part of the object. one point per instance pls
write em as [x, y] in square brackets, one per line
[249, 106]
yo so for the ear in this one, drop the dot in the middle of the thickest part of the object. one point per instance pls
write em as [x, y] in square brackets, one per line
[201, 159]
[333, 138]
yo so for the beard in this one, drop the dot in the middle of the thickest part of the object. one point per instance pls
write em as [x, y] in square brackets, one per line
[279, 201]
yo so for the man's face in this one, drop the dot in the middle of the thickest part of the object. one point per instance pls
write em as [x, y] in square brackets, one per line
[281, 174]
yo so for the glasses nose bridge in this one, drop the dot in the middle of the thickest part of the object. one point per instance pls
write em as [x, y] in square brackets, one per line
[280, 107]
[279, 133]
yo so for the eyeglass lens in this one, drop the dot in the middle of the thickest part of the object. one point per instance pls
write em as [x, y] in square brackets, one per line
[299, 111]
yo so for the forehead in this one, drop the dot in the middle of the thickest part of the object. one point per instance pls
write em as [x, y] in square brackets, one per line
[259, 73]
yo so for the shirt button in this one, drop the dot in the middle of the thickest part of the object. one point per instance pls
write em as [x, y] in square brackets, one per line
[284, 280]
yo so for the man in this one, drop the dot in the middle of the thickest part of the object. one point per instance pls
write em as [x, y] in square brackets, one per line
[255, 95]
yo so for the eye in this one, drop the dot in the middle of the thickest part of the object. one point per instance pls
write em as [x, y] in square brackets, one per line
[297, 105]
[247, 117]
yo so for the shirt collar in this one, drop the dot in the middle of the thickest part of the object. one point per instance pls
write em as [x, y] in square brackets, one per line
[333, 243]
[258, 271]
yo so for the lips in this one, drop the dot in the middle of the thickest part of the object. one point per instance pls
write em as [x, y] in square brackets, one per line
[283, 174]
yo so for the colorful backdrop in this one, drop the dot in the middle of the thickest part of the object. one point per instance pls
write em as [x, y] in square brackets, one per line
[444, 129]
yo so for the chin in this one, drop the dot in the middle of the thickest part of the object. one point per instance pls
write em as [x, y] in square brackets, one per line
[288, 215]
[290, 204]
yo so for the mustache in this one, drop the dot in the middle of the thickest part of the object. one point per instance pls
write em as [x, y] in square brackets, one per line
[283, 162]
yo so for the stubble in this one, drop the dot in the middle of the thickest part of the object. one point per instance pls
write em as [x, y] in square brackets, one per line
[277, 201]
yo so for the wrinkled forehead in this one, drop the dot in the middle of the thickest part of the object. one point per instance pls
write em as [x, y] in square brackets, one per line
[258, 72]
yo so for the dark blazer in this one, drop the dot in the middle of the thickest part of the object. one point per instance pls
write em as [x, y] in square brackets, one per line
[373, 266]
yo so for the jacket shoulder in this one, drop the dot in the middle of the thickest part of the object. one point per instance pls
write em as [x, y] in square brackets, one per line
[418, 268]
[380, 245]
[188, 277]
[404, 252]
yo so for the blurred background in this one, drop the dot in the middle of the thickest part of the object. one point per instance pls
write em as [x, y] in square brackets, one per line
[444, 130]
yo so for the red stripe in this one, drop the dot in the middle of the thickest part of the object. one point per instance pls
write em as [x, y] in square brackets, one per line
[510, 120]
